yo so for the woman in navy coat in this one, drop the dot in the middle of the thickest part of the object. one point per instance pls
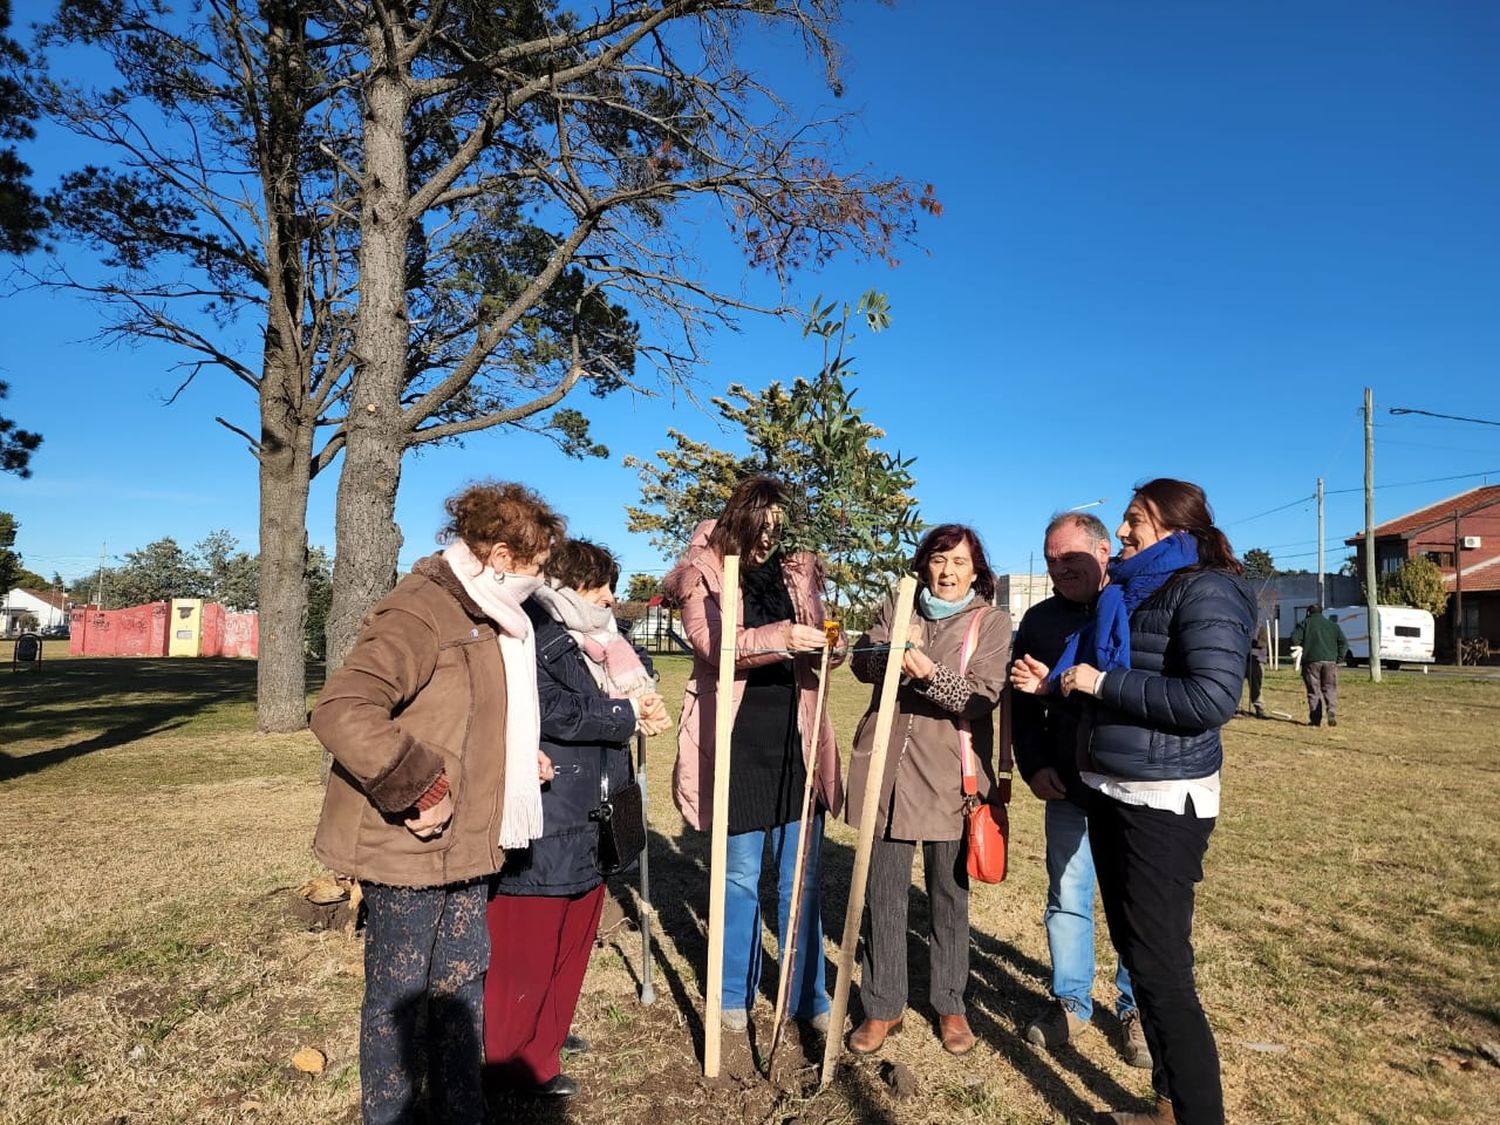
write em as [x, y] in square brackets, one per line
[595, 692]
[1164, 660]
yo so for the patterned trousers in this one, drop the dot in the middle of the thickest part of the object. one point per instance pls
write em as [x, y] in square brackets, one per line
[425, 953]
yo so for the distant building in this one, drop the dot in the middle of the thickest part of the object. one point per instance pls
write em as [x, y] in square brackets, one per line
[1284, 599]
[1462, 536]
[48, 607]
[1016, 593]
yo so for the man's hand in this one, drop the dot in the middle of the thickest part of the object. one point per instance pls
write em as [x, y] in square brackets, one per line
[1029, 675]
[430, 823]
[544, 770]
[1047, 784]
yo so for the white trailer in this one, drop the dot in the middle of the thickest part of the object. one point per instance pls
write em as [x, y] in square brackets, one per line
[1406, 634]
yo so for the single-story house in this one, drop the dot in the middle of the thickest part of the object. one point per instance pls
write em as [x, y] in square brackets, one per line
[48, 608]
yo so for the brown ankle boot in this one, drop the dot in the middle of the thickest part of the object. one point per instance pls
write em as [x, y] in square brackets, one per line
[870, 1036]
[955, 1033]
[1160, 1114]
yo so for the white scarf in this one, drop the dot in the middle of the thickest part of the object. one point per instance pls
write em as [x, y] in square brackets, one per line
[500, 596]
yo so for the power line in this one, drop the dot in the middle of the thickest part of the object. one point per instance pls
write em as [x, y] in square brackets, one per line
[1346, 491]
[1273, 511]
[1448, 417]
[1409, 483]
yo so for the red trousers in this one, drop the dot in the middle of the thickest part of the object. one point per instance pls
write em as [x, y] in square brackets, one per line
[539, 952]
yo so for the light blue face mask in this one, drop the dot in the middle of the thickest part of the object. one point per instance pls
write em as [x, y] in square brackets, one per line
[935, 608]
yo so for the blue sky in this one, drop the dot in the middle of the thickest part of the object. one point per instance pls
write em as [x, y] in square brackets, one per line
[1179, 239]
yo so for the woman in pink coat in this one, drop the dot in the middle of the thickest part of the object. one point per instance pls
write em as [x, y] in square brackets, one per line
[777, 644]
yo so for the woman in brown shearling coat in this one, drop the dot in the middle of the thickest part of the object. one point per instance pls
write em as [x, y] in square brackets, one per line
[951, 684]
[431, 721]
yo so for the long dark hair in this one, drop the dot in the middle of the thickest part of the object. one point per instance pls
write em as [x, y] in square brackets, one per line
[1180, 505]
[946, 536]
[739, 527]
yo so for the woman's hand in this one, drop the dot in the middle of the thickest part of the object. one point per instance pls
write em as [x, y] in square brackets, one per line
[840, 651]
[651, 716]
[1029, 675]
[805, 638]
[1080, 677]
[429, 823]
[544, 770]
[917, 664]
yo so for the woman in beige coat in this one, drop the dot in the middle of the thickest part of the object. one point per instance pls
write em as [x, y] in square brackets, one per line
[774, 744]
[952, 677]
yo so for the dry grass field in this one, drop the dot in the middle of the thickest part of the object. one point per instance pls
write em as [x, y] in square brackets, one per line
[151, 971]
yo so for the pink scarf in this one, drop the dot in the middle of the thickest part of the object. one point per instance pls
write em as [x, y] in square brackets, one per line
[608, 656]
[500, 596]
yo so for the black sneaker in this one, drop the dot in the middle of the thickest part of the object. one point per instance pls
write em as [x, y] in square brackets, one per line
[1332, 721]
[576, 1044]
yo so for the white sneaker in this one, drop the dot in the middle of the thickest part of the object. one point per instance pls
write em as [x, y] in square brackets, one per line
[734, 1019]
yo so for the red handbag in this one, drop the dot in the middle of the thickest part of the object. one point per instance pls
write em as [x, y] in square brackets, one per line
[987, 823]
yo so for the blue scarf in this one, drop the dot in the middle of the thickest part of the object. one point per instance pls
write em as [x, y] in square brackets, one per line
[935, 608]
[1105, 640]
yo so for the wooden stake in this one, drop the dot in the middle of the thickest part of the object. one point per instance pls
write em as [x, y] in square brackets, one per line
[729, 613]
[905, 594]
[794, 910]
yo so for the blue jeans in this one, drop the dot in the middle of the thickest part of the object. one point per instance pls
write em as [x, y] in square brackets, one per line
[742, 946]
[1069, 916]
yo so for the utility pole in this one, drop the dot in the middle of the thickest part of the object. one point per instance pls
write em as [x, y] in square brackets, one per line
[1322, 594]
[1371, 595]
[1458, 595]
[99, 585]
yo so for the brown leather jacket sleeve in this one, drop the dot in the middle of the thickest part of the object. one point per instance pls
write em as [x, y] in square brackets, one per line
[391, 662]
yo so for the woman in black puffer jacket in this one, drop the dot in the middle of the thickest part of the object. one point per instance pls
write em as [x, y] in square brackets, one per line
[595, 692]
[1164, 658]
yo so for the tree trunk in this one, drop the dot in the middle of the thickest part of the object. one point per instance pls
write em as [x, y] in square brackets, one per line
[285, 467]
[367, 540]
[286, 413]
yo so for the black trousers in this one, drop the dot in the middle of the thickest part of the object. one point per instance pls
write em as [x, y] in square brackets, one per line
[1254, 677]
[1148, 862]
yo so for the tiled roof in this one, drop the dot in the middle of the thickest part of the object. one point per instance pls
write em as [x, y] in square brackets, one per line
[1424, 518]
[1483, 576]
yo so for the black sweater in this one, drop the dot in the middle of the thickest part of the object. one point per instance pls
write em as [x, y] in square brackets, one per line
[766, 772]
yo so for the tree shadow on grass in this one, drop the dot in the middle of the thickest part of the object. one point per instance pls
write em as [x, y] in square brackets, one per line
[121, 699]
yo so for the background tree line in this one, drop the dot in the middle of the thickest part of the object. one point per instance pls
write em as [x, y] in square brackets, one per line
[215, 569]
